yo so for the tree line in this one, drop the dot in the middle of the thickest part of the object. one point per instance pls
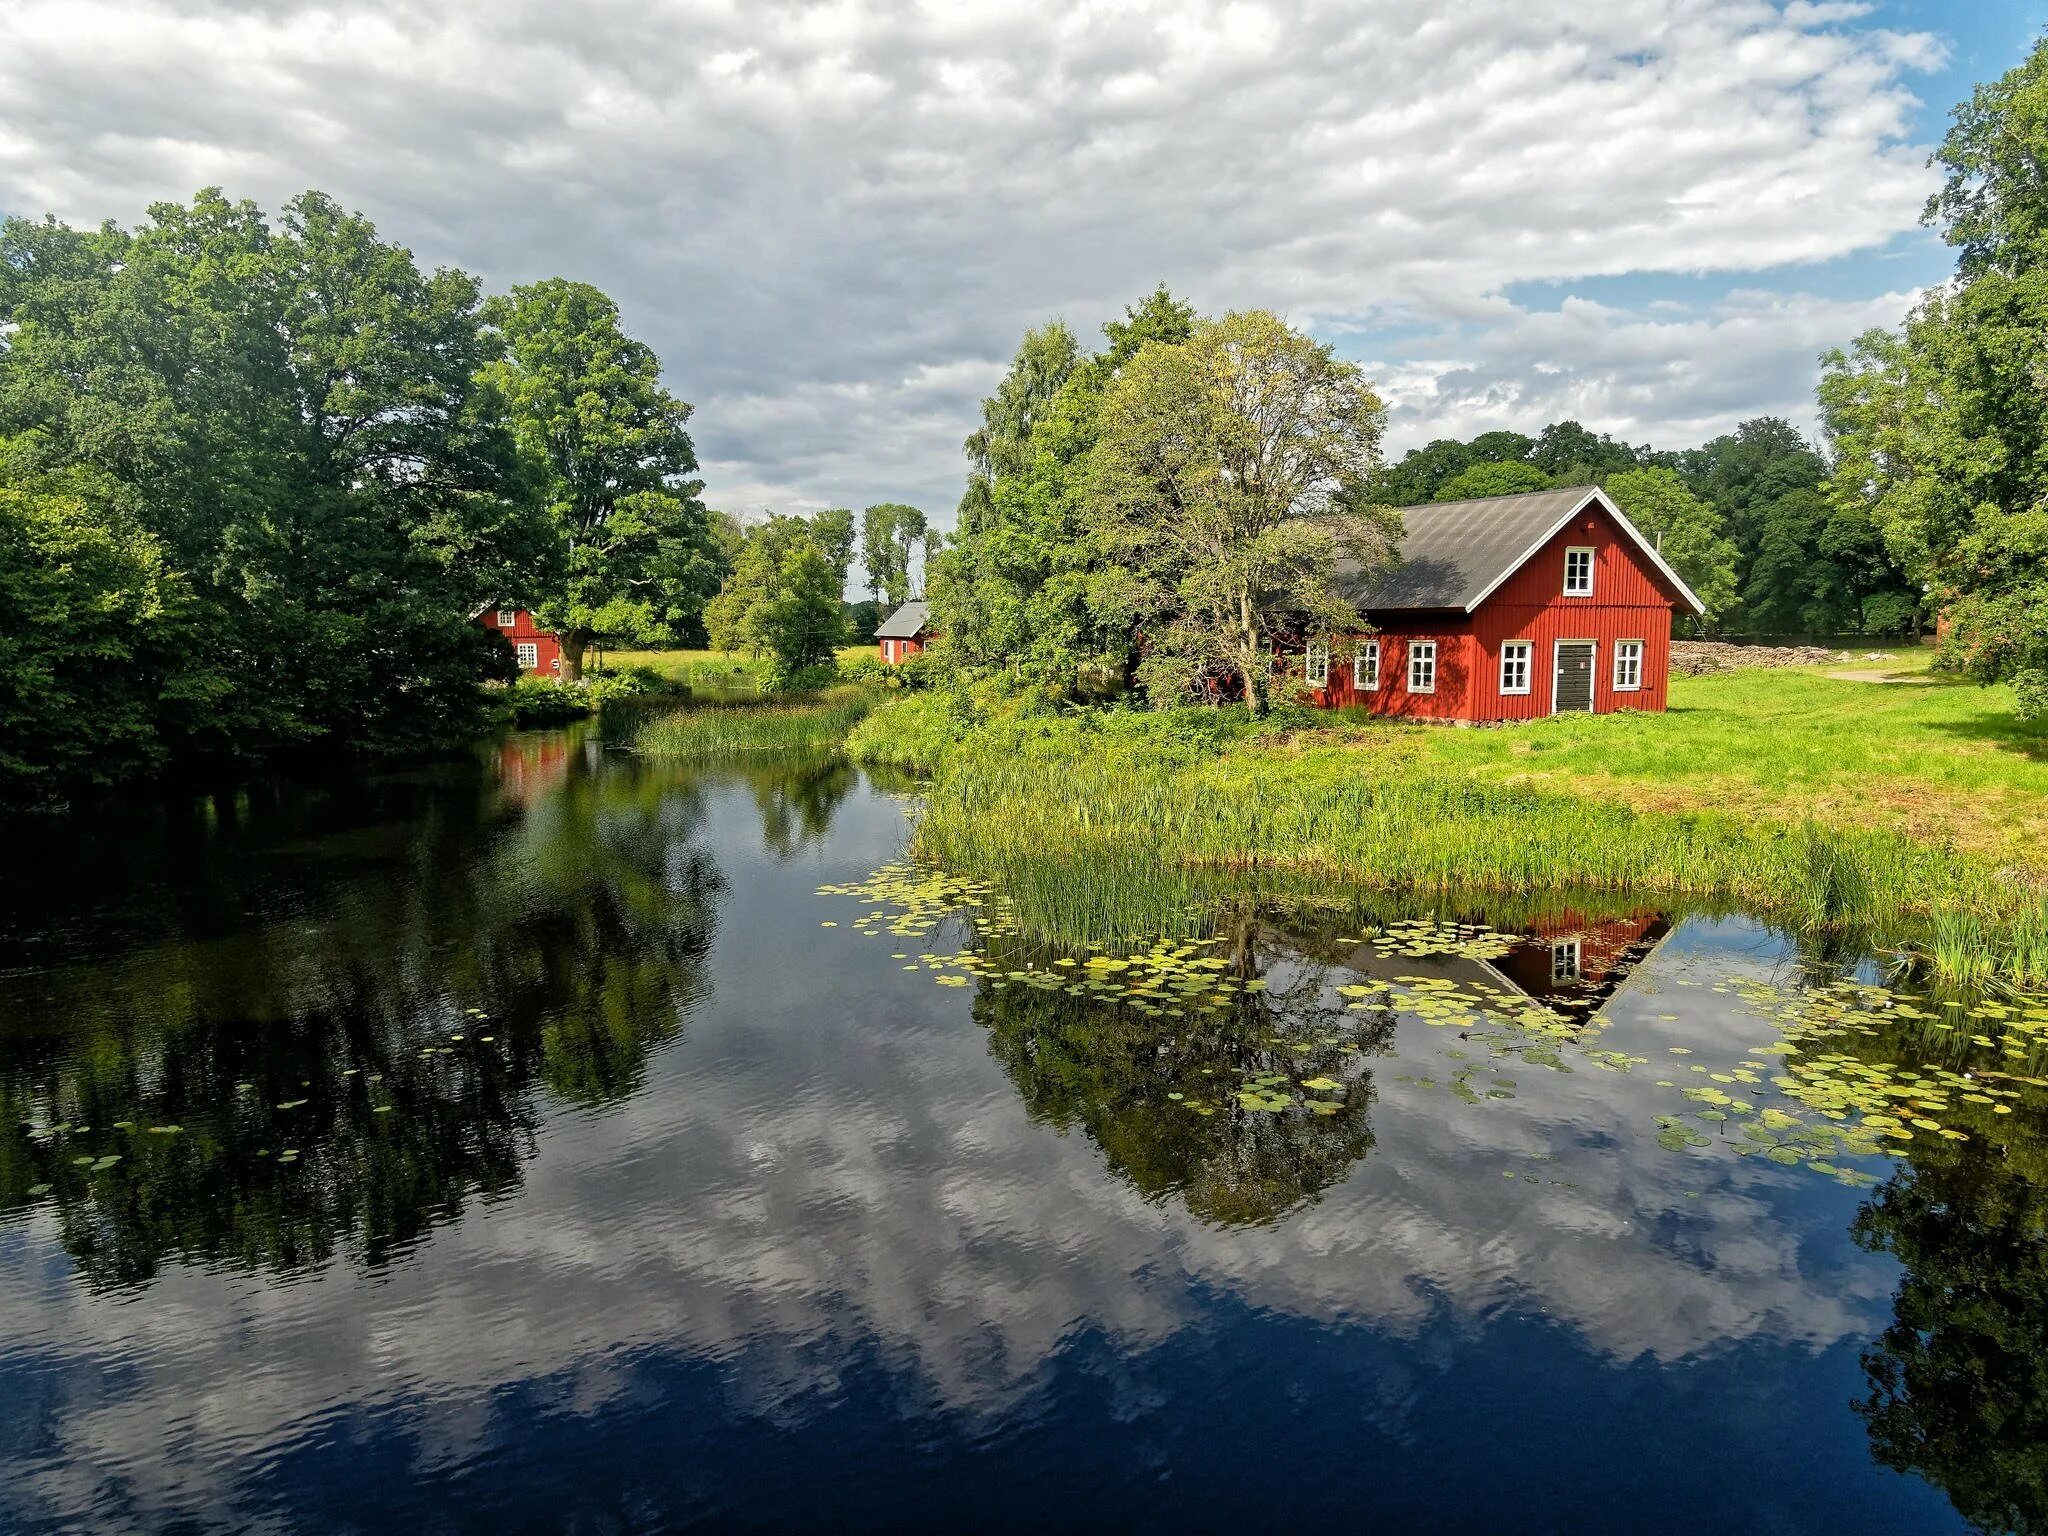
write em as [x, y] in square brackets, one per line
[257, 474]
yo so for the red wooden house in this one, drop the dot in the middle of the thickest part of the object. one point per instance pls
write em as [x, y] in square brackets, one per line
[539, 650]
[1508, 608]
[903, 634]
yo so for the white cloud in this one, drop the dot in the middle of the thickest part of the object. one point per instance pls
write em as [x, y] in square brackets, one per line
[1665, 374]
[833, 220]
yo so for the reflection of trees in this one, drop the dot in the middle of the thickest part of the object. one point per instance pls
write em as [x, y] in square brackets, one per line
[797, 798]
[1959, 1381]
[1099, 1065]
[577, 921]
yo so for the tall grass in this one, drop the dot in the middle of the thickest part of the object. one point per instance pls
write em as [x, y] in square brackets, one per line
[754, 727]
[1112, 826]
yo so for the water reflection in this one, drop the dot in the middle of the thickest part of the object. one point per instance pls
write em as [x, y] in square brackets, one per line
[844, 1244]
[1128, 1081]
[355, 1073]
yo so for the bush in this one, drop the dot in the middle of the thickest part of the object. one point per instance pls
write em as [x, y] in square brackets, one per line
[864, 669]
[774, 679]
[920, 671]
[535, 701]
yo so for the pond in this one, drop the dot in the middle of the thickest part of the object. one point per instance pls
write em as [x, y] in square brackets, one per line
[560, 1140]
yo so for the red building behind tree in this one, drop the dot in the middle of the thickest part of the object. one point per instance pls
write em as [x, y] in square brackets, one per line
[539, 650]
[903, 634]
[1510, 608]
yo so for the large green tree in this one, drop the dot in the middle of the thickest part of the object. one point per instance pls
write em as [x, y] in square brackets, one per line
[608, 447]
[889, 538]
[783, 598]
[290, 411]
[96, 636]
[1941, 428]
[1686, 531]
[1218, 479]
[1028, 583]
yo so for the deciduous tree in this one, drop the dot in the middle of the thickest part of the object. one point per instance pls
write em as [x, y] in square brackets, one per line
[1216, 476]
[608, 448]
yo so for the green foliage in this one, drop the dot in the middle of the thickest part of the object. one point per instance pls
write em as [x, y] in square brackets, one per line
[288, 417]
[1684, 529]
[865, 668]
[1799, 565]
[1216, 481]
[889, 539]
[1496, 478]
[1941, 428]
[1503, 464]
[783, 599]
[98, 632]
[1027, 584]
[542, 701]
[634, 556]
[817, 723]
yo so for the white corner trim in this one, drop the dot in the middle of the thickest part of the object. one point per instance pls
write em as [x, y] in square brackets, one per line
[1593, 494]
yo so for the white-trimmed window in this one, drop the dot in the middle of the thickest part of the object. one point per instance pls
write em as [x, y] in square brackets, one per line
[508, 618]
[1365, 667]
[529, 655]
[1578, 572]
[1566, 960]
[1514, 666]
[1422, 666]
[1628, 666]
[1316, 666]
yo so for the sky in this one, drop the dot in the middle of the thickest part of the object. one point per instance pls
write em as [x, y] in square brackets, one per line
[833, 221]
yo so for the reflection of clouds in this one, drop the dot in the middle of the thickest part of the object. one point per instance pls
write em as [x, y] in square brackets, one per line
[809, 1177]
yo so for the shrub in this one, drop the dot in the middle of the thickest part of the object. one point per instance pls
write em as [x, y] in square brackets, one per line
[534, 701]
[810, 679]
[864, 669]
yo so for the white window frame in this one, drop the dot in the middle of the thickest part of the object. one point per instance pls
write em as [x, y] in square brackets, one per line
[1567, 960]
[1365, 667]
[1525, 652]
[529, 655]
[1630, 651]
[508, 618]
[1315, 666]
[1592, 560]
[1421, 651]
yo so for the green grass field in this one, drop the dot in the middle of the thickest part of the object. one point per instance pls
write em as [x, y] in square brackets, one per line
[1911, 812]
[1942, 760]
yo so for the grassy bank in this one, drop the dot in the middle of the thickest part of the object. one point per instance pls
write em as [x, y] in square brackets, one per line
[712, 674]
[810, 724]
[1109, 825]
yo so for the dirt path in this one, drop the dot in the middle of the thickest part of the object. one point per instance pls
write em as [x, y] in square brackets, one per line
[1872, 675]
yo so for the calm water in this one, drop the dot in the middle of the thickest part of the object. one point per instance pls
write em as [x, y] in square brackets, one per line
[514, 1147]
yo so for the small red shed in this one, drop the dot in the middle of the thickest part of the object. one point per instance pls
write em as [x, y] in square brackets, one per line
[1510, 608]
[902, 635]
[539, 650]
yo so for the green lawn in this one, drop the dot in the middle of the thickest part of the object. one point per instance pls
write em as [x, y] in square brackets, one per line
[1940, 760]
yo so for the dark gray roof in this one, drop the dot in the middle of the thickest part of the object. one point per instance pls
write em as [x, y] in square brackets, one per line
[906, 623]
[1453, 551]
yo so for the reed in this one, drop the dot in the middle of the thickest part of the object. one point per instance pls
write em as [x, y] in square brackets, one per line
[753, 727]
[1111, 827]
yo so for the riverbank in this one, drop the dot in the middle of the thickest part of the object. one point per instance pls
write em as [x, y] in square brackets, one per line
[1913, 818]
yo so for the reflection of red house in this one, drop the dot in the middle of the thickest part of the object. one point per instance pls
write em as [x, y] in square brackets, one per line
[1576, 952]
[1509, 608]
[539, 650]
[532, 764]
[903, 634]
